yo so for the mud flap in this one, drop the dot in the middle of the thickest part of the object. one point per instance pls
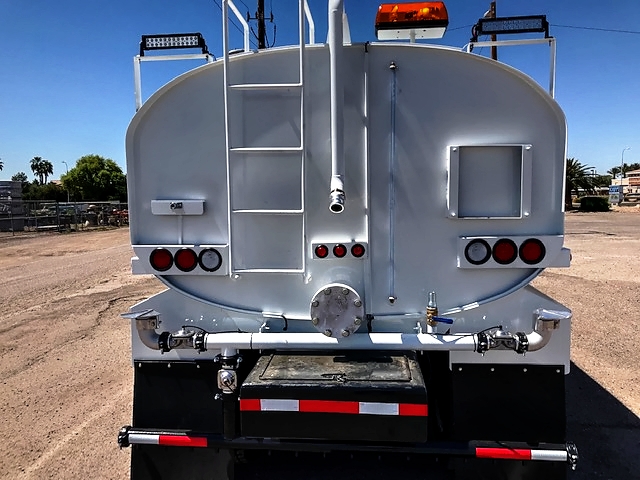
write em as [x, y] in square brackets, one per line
[170, 395]
[155, 462]
[473, 469]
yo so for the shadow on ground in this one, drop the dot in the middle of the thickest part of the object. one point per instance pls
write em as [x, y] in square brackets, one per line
[607, 433]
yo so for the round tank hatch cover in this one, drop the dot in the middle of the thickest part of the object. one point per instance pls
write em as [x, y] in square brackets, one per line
[337, 310]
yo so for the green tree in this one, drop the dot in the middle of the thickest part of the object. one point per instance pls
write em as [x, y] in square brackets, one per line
[614, 171]
[96, 178]
[41, 168]
[49, 191]
[602, 180]
[20, 177]
[578, 176]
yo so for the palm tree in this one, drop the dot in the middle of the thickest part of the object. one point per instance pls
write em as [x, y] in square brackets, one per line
[36, 167]
[47, 169]
[578, 176]
[42, 169]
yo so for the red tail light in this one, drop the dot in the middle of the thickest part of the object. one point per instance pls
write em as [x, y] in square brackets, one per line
[161, 259]
[505, 251]
[186, 259]
[532, 251]
[339, 250]
[322, 251]
[357, 250]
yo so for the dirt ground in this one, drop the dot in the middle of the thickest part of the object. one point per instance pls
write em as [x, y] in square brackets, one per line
[67, 381]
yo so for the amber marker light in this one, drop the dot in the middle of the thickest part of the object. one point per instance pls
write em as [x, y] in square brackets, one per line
[413, 20]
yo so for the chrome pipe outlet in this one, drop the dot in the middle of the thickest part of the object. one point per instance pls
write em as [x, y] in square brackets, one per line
[336, 204]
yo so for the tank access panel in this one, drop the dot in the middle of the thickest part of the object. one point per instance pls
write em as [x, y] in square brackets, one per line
[352, 396]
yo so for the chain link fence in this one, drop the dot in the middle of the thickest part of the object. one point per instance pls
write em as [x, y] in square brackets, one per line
[20, 216]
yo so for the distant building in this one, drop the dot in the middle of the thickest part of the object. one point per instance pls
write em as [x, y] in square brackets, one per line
[631, 183]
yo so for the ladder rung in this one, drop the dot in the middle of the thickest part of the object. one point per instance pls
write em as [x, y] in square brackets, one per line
[266, 149]
[264, 86]
[265, 211]
[269, 270]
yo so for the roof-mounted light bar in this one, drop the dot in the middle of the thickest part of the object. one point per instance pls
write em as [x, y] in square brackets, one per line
[409, 21]
[522, 24]
[172, 41]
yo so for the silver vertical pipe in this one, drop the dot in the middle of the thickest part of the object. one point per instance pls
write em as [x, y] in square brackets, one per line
[336, 11]
[392, 188]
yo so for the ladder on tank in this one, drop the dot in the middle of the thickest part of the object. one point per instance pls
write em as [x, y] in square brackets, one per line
[234, 152]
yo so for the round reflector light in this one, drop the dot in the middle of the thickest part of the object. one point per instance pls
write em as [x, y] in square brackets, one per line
[357, 250]
[505, 251]
[322, 251]
[210, 259]
[339, 250]
[186, 259]
[477, 252]
[161, 259]
[532, 251]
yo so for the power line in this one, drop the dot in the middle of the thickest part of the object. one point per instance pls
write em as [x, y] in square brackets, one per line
[612, 30]
[459, 28]
[235, 25]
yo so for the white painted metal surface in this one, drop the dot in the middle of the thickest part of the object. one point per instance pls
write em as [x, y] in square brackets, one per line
[261, 161]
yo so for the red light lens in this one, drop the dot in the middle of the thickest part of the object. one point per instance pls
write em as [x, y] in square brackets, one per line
[186, 259]
[357, 250]
[339, 250]
[322, 251]
[505, 251]
[532, 251]
[161, 259]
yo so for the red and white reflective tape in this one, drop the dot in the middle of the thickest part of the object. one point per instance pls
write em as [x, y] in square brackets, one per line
[334, 406]
[167, 440]
[522, 454]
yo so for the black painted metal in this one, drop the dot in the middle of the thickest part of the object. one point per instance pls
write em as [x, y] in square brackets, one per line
[352, 376]
[508, 401]
[176, 395]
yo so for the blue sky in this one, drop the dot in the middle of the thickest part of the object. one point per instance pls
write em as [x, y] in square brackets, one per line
[66, 72]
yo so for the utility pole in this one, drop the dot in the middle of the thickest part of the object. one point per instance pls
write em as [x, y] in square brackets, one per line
[492, 14]
[262, 31]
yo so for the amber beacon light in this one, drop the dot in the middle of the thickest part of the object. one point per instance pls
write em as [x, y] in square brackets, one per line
[409, 21]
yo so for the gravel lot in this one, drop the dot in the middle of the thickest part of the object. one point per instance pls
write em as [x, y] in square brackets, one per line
[66, 376]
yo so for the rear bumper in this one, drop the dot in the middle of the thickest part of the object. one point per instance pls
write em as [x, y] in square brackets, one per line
[545, 452]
